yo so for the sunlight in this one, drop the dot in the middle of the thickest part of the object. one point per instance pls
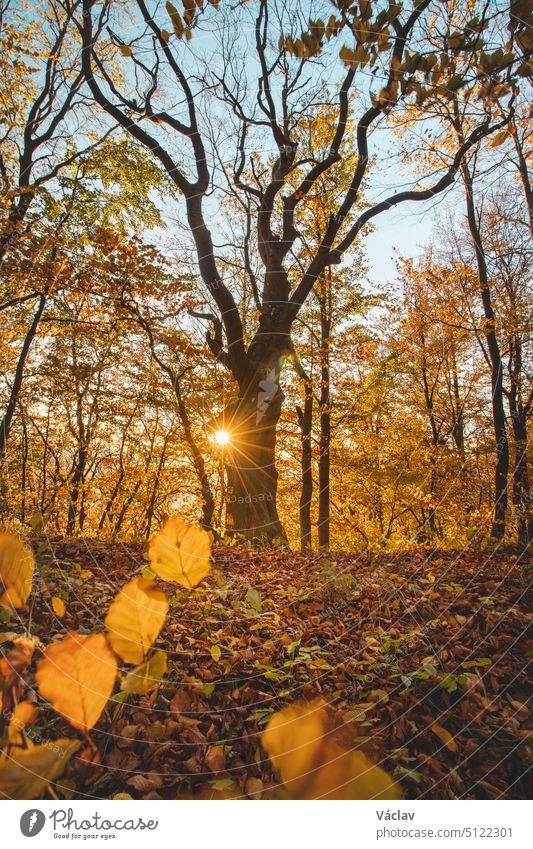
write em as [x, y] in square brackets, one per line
[222, 437]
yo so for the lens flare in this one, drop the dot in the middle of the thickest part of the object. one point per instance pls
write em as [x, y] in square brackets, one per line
[222, 437]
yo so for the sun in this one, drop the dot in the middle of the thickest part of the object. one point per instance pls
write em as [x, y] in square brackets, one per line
[222, 437]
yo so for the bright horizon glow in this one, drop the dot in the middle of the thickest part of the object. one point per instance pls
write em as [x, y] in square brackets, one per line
[221, 437]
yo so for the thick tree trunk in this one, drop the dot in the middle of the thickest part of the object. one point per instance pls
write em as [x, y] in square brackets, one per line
[305, 421]
[250, 461]
[498, 412]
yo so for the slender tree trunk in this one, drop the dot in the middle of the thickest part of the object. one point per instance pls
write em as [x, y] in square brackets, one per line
[305, 421]
[325, 420]
[78, 479]
[150, 510]
[5, 423]
[208, 499]
[519, 414]
[23, 470]
[498, 411]
[521, 485]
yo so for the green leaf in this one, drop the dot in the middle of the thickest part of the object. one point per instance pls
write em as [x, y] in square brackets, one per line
[147, 676]
[478, 661]
[253, 599]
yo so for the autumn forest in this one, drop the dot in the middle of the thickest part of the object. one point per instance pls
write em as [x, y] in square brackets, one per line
[266, 397]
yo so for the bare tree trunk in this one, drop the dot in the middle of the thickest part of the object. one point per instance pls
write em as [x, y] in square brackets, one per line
[498, 411]
[151, 505]
[519, 411]
[208, 499]
[305, 421]
[325, 420]
[5, 424]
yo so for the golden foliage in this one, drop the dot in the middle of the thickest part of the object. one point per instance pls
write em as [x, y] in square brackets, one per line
[17, 566]
[314, 761]
[135, 619]
[180, 552]
[77, 676]
[26, 773]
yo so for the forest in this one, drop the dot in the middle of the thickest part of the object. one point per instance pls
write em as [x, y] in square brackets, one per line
[257, 442]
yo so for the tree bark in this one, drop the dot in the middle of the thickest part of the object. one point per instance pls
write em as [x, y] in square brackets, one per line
[519, 410]
[305, 421]
[498, 412]
[250, 459]
[5, 424]
[325, 420]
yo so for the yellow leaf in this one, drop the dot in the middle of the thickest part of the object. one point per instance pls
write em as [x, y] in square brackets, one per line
[180, 552]
[431, 577]
[23, 716]
[499, 138]
[216, 651]
[147, 676]
[85, 574]
[135, 619]
[58, 606]
[313, 761]
[76, 676]
[25, 773]
[445, 737]
[17, 566]
[122, 796]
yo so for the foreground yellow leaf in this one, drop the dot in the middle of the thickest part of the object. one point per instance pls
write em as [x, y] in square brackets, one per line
[315, 764]
[180, 552]
[77, 676]
[58, 606]
[135, 619]
[25, 773]
[147, 676]
[17, 566]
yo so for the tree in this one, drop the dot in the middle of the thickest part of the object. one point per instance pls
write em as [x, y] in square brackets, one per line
[289, 77]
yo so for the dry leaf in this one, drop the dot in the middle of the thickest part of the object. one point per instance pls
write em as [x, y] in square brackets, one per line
[135, 619]
[77, 676]
[215, 759]
[445, 737]
[180, 552]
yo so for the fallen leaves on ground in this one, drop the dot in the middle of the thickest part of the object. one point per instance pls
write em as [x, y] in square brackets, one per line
[421, 655]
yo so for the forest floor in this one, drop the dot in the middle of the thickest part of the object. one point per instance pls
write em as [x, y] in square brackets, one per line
[424, 652]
